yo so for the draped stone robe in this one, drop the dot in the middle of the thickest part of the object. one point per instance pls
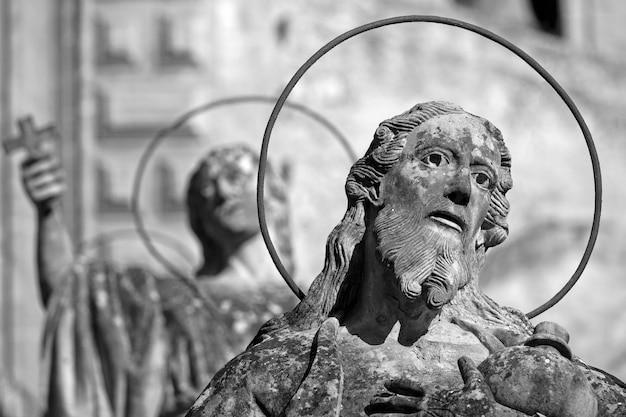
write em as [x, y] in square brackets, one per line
[127, 343]
[292, 372]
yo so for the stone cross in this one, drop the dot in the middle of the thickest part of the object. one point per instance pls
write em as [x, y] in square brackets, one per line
[29, 138]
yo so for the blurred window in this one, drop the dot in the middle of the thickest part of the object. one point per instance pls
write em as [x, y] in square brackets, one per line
[548, 16]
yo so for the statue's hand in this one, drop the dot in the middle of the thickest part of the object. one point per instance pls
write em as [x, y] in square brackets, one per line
[404, 396]
[408, 397]
[43, 180]
[475, 398]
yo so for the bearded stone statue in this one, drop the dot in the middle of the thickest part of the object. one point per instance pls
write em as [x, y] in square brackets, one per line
[121, 341]
[395, 324]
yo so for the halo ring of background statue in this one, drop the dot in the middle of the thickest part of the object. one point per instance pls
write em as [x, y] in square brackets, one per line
[108, 237]
[597, 179]
[151, 147]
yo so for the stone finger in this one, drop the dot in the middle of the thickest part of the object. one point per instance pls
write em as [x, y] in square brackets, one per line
[43, 181]
[405, 386]
[35, 167]
[472, 377]
[423, 413]
[47, 192]
[42, 178]
[399, 403]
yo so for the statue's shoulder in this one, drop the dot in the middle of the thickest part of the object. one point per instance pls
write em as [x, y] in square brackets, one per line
[261, 379]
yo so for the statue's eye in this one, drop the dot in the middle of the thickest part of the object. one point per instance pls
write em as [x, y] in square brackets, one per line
[237, 177]
[482, 179]
[435, 159]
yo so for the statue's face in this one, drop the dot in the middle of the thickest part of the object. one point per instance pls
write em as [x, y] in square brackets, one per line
[230, 195]
[448, 170]
[434, 201]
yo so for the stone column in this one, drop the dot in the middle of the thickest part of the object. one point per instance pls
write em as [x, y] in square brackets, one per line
[38, 77]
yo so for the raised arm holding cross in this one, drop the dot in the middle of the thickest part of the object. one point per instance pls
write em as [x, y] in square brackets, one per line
[90, 360]
[43, 181]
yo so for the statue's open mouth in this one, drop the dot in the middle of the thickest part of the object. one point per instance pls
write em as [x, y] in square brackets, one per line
[448, 219]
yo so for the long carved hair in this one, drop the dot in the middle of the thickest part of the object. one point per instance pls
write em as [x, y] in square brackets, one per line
[335, 288]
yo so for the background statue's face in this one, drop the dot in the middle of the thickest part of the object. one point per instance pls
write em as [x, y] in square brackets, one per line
[230, 195]
[434, 201]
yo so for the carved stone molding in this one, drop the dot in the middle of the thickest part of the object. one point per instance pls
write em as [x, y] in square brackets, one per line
[111, 45]
[108, 128]
[107, 201]
[174, 42]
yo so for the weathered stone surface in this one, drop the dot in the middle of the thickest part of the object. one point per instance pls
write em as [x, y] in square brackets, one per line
[395, 323]
[536, 380]
[610, 390]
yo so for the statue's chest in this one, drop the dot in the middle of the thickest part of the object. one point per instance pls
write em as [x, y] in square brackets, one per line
[432, 362]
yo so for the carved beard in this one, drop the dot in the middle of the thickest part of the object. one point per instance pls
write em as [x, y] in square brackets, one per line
[426, 263]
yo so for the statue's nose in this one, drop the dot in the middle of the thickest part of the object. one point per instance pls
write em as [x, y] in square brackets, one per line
[459, 187]
[226, 187]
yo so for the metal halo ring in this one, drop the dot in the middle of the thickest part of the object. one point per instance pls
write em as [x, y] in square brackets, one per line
[106, 238]
[597, 178]
[161, 134]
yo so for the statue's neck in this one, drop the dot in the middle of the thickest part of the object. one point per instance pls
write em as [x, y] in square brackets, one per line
[378, 315]
[242, 251]
[472, 305]
[379, 308]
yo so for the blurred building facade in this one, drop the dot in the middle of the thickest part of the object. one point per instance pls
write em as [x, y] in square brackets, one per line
[109, 74]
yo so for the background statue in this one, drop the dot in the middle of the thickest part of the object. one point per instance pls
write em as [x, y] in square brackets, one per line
[15, 401]
[396, 322]
[124, 342]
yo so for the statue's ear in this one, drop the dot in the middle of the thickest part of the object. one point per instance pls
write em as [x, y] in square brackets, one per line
[480, 239]
[493, 234]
